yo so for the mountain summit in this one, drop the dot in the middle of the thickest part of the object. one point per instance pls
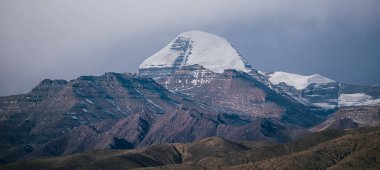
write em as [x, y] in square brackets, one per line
[195, 48]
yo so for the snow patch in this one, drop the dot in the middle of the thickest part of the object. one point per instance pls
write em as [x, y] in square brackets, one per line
[89, 101]
[325, 105]
[155, 105]
[357, 99]
[297, 81]
[261, 72]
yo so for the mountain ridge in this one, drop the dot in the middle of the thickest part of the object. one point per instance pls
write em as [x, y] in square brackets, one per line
[339, 149]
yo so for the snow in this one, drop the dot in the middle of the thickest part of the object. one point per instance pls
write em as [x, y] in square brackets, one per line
[261, 72]
[89, 101]
[357, 99]
[197, 47]
[297, 81]
[155, 105]
[325, 105]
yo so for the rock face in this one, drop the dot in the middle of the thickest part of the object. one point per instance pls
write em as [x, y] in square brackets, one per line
[230, 91]
[240, 93]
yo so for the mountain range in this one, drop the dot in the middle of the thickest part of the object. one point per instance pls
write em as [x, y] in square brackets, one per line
[198, 88]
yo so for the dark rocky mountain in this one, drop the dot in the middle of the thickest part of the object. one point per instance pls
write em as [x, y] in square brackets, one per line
[55, 107]
[182, 125]
[330, 149]
[119, 111]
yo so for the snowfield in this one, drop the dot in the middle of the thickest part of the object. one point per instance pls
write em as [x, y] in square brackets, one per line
[196, 47]
[357, 99]
[297, 81]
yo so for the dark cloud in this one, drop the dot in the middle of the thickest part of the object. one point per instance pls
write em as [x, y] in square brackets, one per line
[65, 39]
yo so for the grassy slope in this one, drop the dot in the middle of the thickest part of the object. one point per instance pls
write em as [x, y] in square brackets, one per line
[332, 149]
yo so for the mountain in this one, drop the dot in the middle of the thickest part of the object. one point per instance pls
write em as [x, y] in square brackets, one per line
[196, 87]
[354, 106]
[190, 48]
[323, 92]
[119, 111]
[213, 73]
[55, 107]
[330, 149]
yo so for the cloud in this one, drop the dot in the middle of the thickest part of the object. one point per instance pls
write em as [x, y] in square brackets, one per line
[68, 38]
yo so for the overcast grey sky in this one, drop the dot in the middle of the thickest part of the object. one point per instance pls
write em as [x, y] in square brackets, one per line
[63, 39]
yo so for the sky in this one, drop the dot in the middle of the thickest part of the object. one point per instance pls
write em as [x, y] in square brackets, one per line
[64, 39]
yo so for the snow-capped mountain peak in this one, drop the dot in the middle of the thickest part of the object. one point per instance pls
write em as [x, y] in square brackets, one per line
[197, 47]
[297, 81]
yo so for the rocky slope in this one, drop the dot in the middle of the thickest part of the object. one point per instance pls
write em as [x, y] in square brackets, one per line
[182, 125]
[351, 117]
[238, 92]
[55, 107]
